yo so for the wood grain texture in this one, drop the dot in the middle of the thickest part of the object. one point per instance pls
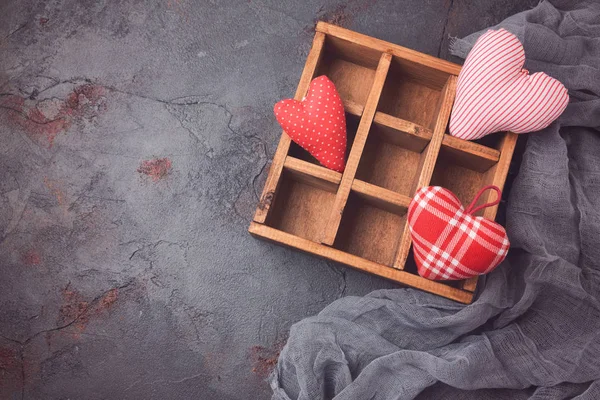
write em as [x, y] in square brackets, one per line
[409, 100]
[444, 67]
[386, 160]
[460, 172]
[383, 198]
[353, 108]
[428, 158]
[495, 176]
[369, 231]
[454, 176]
[351, 80]
[312, 170]
[270, 188]
[470, 284]
[335, 217]
[362, 264]
[353, 52]
[471, 155]
[421, 134]
[301, 206]
[440, 123]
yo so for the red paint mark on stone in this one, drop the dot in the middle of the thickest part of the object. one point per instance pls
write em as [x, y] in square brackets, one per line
[78, 312]
[108, 300]
[265, 359]
[44, 21]
[86, 100]
[156, 169]
[74, 309]
[33, 121]
[342, 14]
[31, 257]
[338, 16]
[45, 119]
[11, 382]
[8, 358]
[10, 372]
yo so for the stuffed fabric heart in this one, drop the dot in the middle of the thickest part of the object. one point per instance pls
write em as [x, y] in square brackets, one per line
[450, 243]
[317, 123]
[494, 93]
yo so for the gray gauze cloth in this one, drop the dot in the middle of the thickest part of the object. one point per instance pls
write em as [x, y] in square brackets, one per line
[534, 330]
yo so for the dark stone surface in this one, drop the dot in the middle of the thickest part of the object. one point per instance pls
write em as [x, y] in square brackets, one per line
[135, 137]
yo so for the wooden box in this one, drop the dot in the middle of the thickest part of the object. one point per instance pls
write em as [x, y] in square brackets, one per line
[397, 103]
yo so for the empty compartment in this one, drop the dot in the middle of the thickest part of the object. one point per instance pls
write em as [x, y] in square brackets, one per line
[350, 66]
[352, 122]
[302, 205]
[463, 173]
[391, 158]
[370, 231]
[412, 92]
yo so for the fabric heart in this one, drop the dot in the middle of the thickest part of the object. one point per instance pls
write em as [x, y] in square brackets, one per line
[494, 93]
[317, 123]
[450, 243]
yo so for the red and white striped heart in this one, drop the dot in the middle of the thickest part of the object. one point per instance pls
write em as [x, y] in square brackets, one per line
[449, 243]
[494, 93]
[317, 123]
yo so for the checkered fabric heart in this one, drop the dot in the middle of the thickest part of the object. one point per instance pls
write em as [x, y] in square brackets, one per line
[494, 93]
[317, 123]
[450, 243]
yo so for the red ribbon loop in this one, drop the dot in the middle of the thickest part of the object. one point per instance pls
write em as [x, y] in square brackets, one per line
[471, 210]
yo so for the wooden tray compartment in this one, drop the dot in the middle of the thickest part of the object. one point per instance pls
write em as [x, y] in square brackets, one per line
[397, 104]
[392, 154]
[465, 167]
[412, 92]
[302, 203]
[371, 229]
[462, 172]
[350, 66]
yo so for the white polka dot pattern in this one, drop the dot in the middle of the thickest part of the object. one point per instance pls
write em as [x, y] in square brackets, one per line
[317, 123]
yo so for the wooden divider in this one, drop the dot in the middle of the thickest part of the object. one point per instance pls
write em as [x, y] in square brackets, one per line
[362, 133]
[486, 156]
[443, 67]
[403, 125]
[383, 198]
[362, 264]
[314, 170]
[269, 191]
[352, 107]
[428, 159]
[498, 174]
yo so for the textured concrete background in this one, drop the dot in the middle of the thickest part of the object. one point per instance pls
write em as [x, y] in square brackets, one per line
[135, 137]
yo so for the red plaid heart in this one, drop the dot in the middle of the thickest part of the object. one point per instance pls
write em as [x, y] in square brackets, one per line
[448, 242]
[317, 123]
[494, 93]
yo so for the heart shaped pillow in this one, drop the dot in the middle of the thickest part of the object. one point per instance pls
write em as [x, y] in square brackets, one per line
[494, 93]
[317, 123]
[450, 243]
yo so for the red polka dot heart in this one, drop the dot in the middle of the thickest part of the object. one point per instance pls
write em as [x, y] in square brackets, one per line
[317, 123]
